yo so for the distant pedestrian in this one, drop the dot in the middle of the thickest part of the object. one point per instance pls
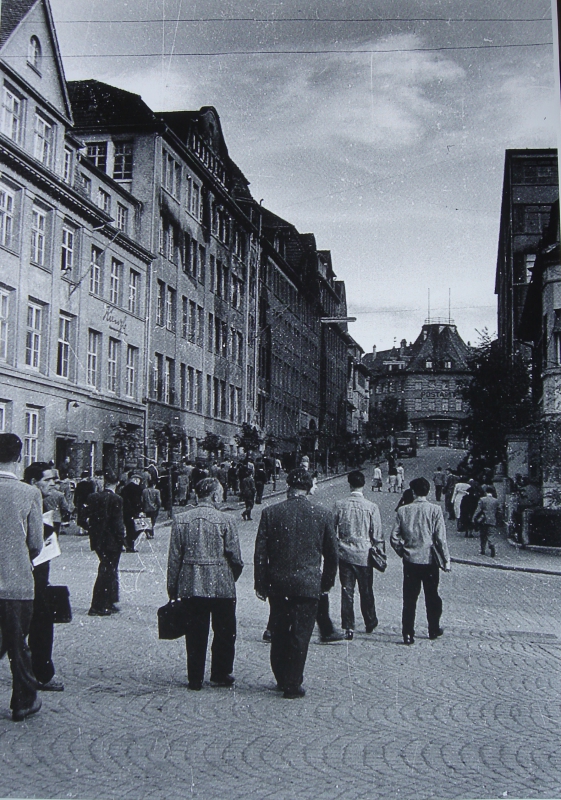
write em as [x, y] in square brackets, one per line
[358, 527]
[21, 539]
[247, 492]
[461, 488]
[260, 478]
[400, 477]
[151, 504]
[84, 488]
[488, 515]
[204, 563]
[41, 631]
[451, 480]
[293, 539]
[439, 479]
[131, 494]
[377, 479]
[418, 527]
[106, 528]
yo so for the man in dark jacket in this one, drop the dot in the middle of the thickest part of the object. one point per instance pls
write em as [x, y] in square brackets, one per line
[132, 508]
[106, 528]
[293, 537]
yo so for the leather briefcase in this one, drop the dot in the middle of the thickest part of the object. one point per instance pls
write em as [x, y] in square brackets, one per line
[171, 620]
[58, 602]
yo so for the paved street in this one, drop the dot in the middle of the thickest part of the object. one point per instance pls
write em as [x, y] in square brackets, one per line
[475, 714]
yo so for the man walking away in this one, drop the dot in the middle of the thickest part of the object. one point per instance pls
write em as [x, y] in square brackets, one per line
[292, 539]
[377, 478]
[204, 563]
[106, 528]
[418, 526]
[21, 539]
[132, 506]
[42, 629]
[488, 515]
[247, 492]
[439, 479]
[358, 526]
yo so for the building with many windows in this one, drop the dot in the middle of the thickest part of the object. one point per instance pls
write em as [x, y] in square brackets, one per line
[426, 379]
[530, 187]
[202, 295]
[73, 276]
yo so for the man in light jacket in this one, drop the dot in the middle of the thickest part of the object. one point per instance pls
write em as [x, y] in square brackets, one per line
[359, 527]
[204, 563]
[418, 527]
[21, 539]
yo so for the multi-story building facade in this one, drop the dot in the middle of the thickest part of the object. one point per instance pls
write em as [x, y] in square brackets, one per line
[202, 297]
[530, 187]
[358, 392]
[72, 273]
[426, 378]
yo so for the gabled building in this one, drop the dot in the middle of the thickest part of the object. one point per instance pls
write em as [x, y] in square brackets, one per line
[72, 271]
[426, 379]
[202, 297]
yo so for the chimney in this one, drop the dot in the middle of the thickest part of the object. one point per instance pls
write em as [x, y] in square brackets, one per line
[373, 351]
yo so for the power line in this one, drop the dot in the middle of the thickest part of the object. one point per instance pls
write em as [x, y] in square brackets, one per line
[312, 20]
[305, 52]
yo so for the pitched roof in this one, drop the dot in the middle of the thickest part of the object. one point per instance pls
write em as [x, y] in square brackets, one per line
[97, 104]
[12, 13]
[439, 343]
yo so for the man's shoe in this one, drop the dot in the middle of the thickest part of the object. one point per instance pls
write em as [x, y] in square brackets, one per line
[493, 552]
[227, 680]
[408, 638]
[370, 628]
[130, 550]
[349, 633]
[18, 715]
[195, 686]
[267, 635]
[294, 692]
[114, 609]
[52, 686]
[336, 636]
[99, 612]
[436, 633]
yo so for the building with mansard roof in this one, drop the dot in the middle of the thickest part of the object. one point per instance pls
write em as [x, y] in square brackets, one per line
[426, 379]
[73, 273]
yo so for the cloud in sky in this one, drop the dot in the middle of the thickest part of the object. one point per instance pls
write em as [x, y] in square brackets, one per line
[393, 159]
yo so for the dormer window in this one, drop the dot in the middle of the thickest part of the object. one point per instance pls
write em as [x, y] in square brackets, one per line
[447, 365]
[34, 53]
[428, 364]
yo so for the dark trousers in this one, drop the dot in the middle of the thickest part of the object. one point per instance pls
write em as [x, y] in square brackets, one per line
[198, 614]
[350, 575]
[131, 534]
[106, 587]
[292, 621]
[249, 503]
[325, 625]
[259, 487]
[415, 575]
[437, 492]
[15, 619]
[42, 629]
[487, 537]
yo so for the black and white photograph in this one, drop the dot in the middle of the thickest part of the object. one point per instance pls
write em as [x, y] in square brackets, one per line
[280, 351]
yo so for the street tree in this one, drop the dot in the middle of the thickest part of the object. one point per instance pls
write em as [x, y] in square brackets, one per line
[249, 438]
[498, 398]
[388, 417]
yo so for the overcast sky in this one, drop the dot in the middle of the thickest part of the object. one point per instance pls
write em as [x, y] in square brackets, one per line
[378, 125]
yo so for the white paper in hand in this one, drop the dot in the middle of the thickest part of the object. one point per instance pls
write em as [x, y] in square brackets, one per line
[50, 550]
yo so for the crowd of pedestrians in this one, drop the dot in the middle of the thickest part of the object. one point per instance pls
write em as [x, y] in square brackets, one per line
[299, 549]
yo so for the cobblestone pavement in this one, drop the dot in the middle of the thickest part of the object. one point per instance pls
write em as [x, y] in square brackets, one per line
[475, 714]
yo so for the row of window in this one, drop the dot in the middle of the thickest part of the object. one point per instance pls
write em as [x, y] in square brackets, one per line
[14, 114]
[223, 401]
[121, 154]
[41, 232]
[117, 286]
[437, 405]
[121, 368]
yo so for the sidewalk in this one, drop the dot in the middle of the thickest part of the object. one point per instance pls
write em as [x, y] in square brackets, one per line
[509, 556]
